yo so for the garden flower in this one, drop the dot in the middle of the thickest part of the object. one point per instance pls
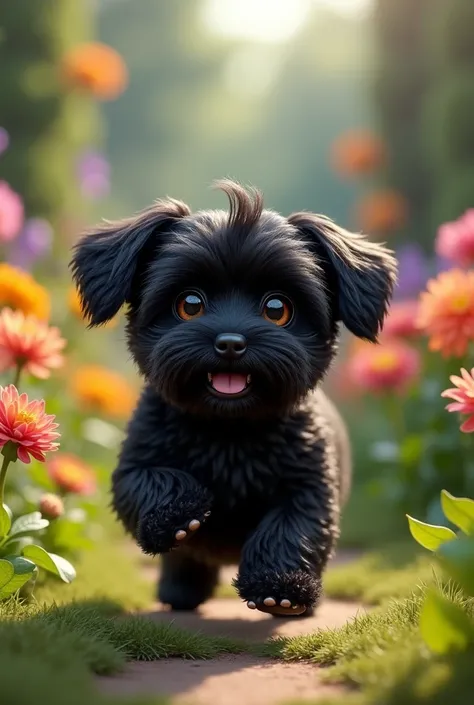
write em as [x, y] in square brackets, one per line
[11, 213]
[51, 506]
[4, 140]
[463, 395]
[71, 474]
[101, 390]
[388, 367]
[25, 424]
[412, 271]
[455, 240]
[29, 343]
[382, 212]
[401, 320]
[98, 68]
[358, 152]
[94, 174]
[19, 290]
[33, 242]
[446, 312]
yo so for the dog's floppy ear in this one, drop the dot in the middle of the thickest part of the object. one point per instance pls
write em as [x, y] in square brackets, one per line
[360, 274]
[107, 261]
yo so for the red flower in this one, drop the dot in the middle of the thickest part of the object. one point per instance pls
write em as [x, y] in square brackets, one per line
[463, 395]
[71, 474]
[387, 367]
[26, 425]
[455, 240]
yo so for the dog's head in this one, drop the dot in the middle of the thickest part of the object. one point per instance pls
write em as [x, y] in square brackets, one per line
[233, 313]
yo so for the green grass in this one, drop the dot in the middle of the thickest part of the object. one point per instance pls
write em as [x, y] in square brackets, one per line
[393, 572]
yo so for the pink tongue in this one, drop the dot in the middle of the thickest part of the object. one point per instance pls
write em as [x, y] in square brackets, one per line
[229, 383]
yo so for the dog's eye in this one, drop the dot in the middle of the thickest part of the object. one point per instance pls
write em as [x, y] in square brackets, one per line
[190, 305]
[277, 309]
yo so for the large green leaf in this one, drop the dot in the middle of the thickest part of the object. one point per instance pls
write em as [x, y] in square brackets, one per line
[5, 521]
[459, 511]
[457, 558]
[428, 535]
[28, 523]
[23, 571]
[6, 573]
[444, 626]
[51, 562]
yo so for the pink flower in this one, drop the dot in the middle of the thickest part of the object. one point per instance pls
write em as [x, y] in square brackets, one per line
[455, 240]
[463, 395]
[51, 506]
[29, 342]
[11, 213]
[401, 320]
[25, 424]
[388, 367]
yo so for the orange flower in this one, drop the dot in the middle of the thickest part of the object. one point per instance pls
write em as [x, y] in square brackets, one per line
[74, 303]
[26, 425]
[99, 389]
[357, 152]
[98, 68]
[388, 367]
[446, 312]
[51, 506]
[463, 395]
[19, 290]
[401, 320]
[30, 343]
[71, 474]
[382, 212]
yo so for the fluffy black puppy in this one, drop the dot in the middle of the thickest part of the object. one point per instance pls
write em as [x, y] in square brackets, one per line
[233, 454]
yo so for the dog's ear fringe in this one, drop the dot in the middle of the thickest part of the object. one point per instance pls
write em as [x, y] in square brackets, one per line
[363, 272]
[106, 258]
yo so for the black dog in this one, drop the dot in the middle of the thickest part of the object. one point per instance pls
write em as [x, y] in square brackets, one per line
[233, 455]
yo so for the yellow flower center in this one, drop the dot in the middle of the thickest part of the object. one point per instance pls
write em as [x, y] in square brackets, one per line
[461, 302]
[70, 472]
[26, 417]
[385, 361]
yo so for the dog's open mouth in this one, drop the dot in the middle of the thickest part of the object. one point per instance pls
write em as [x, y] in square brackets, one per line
[229, 384]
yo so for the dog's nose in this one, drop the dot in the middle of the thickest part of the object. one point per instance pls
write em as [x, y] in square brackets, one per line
[230, 345]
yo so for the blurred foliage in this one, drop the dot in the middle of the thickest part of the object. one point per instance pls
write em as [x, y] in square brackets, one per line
[200, 107]
[401, 80]
[46, 123]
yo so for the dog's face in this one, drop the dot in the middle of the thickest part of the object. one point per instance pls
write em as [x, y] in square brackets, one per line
[233, 314]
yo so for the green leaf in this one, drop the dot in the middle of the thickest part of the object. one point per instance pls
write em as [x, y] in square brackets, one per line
[23, 571]
[457, 559]
[28, 523]
[428, 535]
[444, 626]
[51, 562]
[459, 511]
[6, 573]
[5, 520]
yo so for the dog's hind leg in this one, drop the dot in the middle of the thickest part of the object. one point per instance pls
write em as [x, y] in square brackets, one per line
[185, 582]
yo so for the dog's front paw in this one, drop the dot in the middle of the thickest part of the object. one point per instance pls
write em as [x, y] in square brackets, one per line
[289, 593]
[167, 527]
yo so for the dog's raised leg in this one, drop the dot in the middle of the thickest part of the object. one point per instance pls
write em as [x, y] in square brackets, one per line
[161, 507]
[185, 583]
[283, 560]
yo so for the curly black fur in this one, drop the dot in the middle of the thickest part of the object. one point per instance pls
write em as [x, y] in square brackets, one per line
[272, 464]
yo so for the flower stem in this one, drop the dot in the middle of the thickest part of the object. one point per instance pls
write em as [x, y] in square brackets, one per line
[18, 371]
[3, 473]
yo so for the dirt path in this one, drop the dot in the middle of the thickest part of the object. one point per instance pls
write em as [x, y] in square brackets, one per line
[233, 680]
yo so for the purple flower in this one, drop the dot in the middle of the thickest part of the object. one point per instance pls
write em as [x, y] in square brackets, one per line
[33, 243]
[4, 140]
[413, 271]
[93, 171]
